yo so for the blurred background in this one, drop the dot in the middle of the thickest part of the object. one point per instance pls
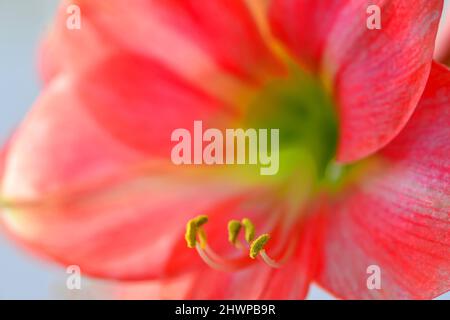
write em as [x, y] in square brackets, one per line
[22, 23]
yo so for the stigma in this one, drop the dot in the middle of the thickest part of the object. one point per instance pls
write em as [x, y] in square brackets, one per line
[249, 250]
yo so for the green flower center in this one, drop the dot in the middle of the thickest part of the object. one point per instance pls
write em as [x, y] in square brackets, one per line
[299, 106]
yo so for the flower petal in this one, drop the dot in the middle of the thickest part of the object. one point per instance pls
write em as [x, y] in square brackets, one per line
[3, 152]
[118, 115]
[376, 76]
[127, 232]
[64, 50]
[398, 218]
[289, 20]
[88, 177]
[171, 288]
[202, 48]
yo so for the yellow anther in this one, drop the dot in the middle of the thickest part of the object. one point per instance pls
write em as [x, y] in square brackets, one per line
[249, 230]
[191, 233]
[194, 228]
[201, 220]
[258, 245]
[234, 227]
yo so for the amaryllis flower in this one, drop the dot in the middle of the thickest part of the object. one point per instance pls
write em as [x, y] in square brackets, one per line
[364, 125]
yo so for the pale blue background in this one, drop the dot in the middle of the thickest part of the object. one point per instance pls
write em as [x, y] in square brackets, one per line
[21, 24]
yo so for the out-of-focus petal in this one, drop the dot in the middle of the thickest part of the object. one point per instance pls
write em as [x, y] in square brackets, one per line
[128, 231]
[304, 27]
[214, 43]
[376, 76]
[3, 155]
[399, 218]
[120, 114]
[88, 177]
[3, 152]
[72, 50]
[171, 288]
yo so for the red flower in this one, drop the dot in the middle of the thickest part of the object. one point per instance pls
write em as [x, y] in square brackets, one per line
[87, 178]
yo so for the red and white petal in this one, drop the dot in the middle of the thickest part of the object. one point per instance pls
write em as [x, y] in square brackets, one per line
[376, 76]
[399, 218]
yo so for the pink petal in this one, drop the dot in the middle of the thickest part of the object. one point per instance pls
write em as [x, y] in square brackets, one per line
[64, 50]
[171, 288]
[195, 39]
[3, 152]
[128, 231]
[399, 217]
[376, 76]
[84, 128]
[84, 188]
[141, 103]
[291, 18]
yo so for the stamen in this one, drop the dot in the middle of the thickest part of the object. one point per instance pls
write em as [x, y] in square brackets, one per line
[194, 228]
[210, 262]
[221, 264]
[269, 261]
[201, 220]
[191, 233]
[257, 248]
[258, 245]
[234, 227]
[196, 238]
[249, 230]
